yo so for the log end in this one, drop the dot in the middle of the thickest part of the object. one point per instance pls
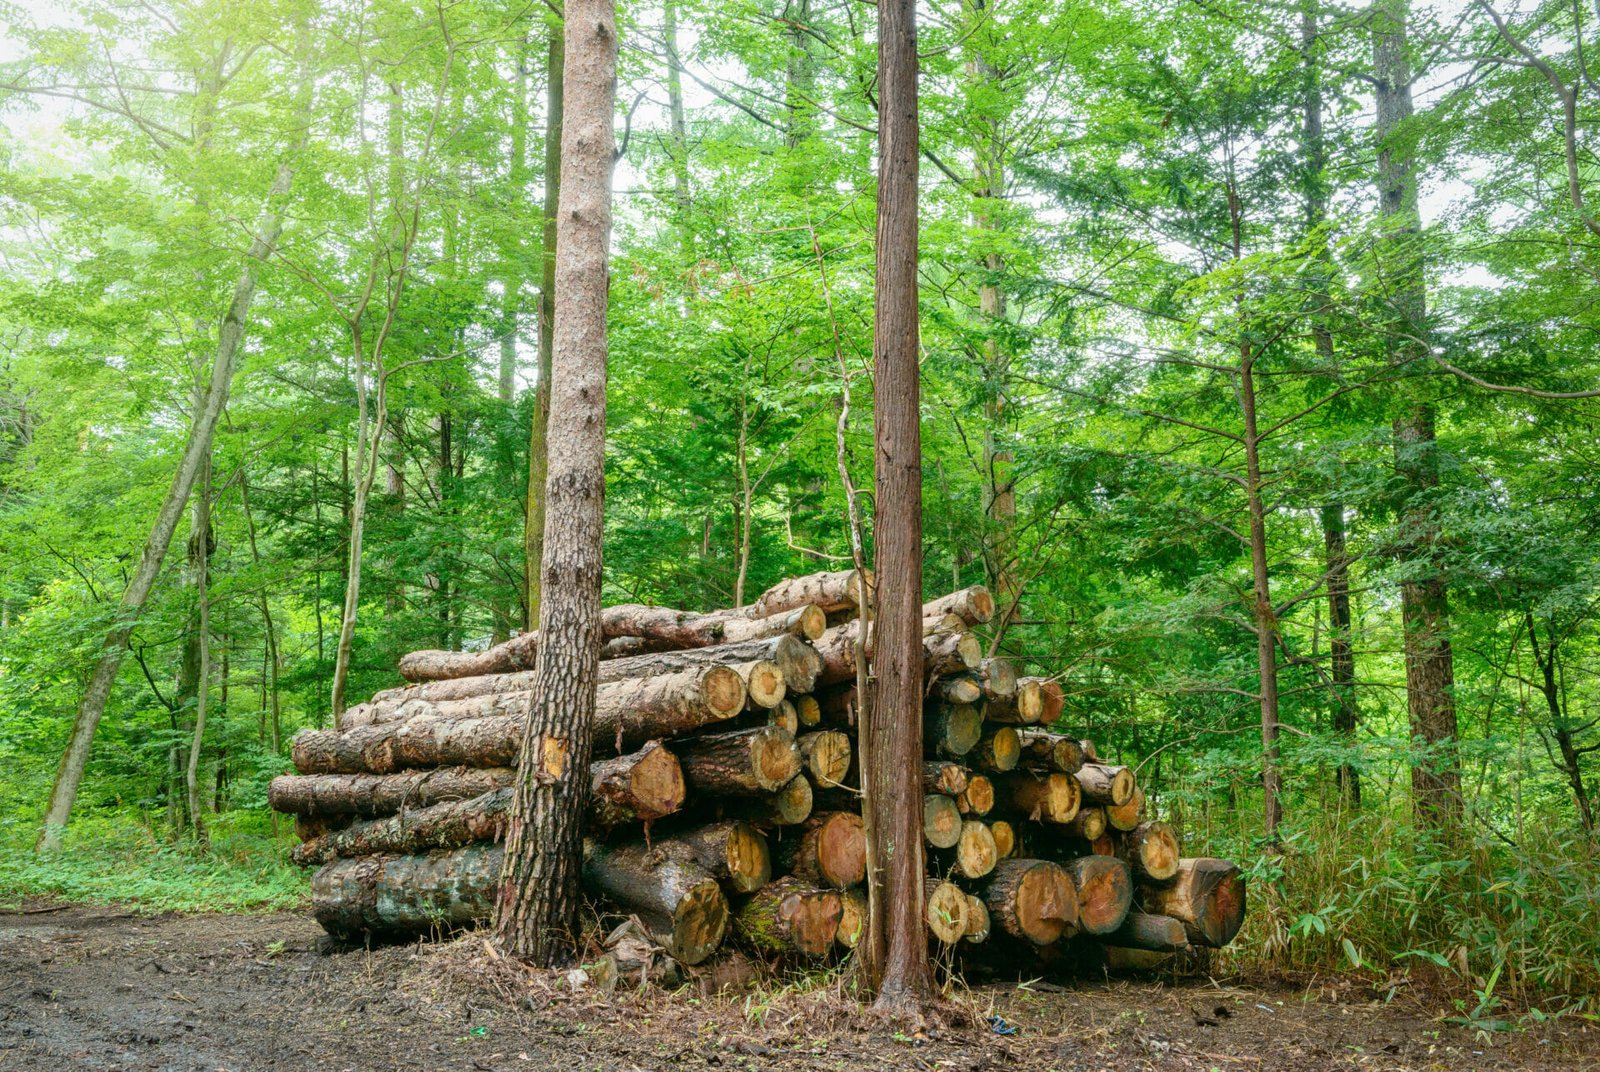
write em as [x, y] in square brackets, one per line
[842, 849]
[1125, 817]
[1105, 892]
[976, 851]
[765, 684]
[1005, 838]
[699, 923]
[1157, 851]
[941, 821]
[749, 861]
[812, 621]
[852, 919]
[947, 913]
[978, 797]
[655, 784]
[723, 691]
[774, 758]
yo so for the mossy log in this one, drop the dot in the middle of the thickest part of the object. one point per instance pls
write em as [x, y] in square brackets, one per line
[406, 896]
[788, 916]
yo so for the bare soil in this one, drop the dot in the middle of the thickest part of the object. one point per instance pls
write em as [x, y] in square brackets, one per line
[101, 989]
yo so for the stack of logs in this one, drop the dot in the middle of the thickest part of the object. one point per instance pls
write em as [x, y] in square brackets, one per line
[724, 795]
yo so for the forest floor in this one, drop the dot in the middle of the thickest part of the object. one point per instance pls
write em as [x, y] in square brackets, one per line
[103, 988]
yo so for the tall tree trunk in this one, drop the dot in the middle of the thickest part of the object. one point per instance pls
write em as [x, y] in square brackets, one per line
[537, 902]
[1425, 601]
[539, 433]
[897, 942]
[202, 541]
[196, 452]
[1560, 727]
[1342, 669]
[999, 489]
[680, 131]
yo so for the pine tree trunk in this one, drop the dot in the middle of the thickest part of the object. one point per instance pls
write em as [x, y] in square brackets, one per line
[539, 431]
[536, 907]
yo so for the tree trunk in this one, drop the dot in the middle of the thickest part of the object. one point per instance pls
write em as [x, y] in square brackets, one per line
[539, 430]
[674, 896]
[1033, 900]
[202, 587]
[1424, 595]
[1264, 614]
[1206, 895]
[1105, 892]
[196, 451]
[1342, 668]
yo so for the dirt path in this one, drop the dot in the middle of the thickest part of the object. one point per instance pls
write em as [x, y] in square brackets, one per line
[101, 989]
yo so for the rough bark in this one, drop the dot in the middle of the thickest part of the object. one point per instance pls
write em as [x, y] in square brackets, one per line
[830, 592]
[1206, 895]
[536, 908]
[539, 427]
[676, 898]
[1033, 900]
[1105, 892]
[746, 763]
[943, 653]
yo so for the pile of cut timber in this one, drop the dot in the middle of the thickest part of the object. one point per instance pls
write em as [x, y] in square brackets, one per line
[725, 799]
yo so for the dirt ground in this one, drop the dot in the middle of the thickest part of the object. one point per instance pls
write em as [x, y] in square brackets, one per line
[101, 989]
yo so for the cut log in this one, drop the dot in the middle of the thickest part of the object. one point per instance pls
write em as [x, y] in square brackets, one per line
[950, 779]
[977, 920]
[958, 689]
[307, 827]
[1052, 701]
[808, 710]
[686, 629]
[786, 717]
[826, 755]
[419, 742]
[830, 592]
[941, 821]
[943, 623]
[953, 729]
[625, 647]
[405, 896]
[1033, 900]
[374, 795]
[974, 605]
[764, 683]
[942, 653]
[947, 912]
[796, 658]
[975, 853]
[1042, 798]
[443, 826]
[1005, 838]
[1206, 895]
[828, 849]
[1088, 824]
[1152, 850]
[639, 787]
[1105, 785]
[1189, 961]
[1158, 934]
[977, 798]
[999, 678]
[734, 853]
[1105, 892]
[1106, 845]
[1090, 753]
[852, 918]
[950, 653]
[787, 807]
[1126, 816]
[998, 749]
[1022, 707]
[746, 763]
[1050, 751]
[677, 899]
[787, 916]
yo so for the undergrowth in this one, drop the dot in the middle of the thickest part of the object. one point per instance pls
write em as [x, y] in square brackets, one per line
[115, 858]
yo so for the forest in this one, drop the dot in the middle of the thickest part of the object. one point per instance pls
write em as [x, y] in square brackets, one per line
[1259, 384]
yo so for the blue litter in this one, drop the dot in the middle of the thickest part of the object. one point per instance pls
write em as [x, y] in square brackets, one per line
[998, 1025]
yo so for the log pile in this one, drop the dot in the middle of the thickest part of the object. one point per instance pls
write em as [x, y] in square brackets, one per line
[724, 800]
